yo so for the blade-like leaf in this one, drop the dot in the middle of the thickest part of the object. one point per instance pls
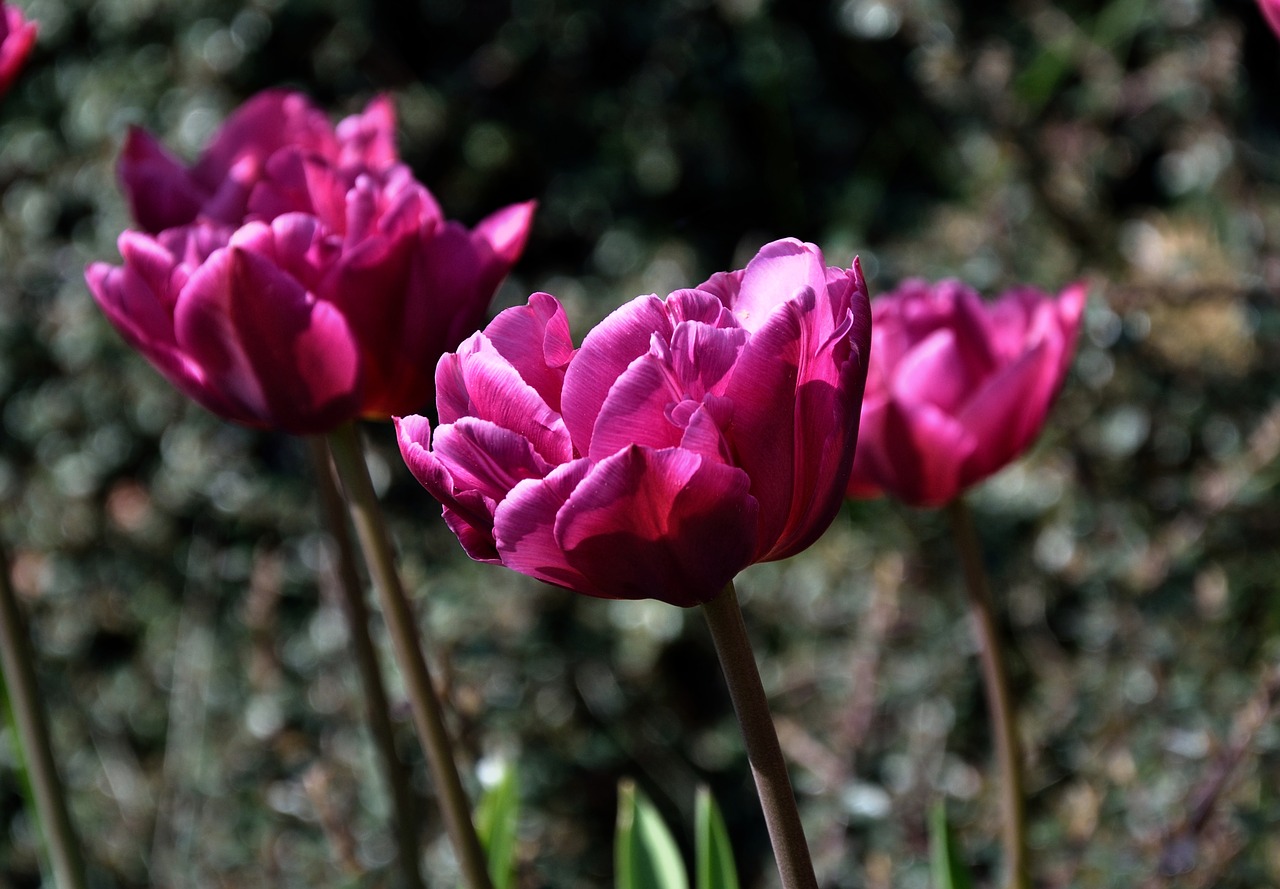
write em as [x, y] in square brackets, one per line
[948, 869]
[711, 840]
[645, 854]
[496, 818]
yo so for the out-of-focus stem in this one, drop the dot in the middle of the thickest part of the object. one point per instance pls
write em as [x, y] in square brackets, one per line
[428, 718]
[33, 734]
[769, 769]
[377, 708]
[999, 702]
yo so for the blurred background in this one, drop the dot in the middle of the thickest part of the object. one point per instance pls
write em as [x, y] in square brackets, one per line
[191, 649]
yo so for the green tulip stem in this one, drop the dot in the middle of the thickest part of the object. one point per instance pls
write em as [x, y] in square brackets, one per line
[428, 717]
[999, 702]
[729, 633]
[377, 709]
[19, 677]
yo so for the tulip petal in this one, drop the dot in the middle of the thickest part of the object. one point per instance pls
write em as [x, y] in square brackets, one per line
[161, 192]
[781, 271]
[368, 139]
[535, 339]
[636, 411]
[263, 341]
[481, 383]
[605, 353]
[524, 527]
[664, 524]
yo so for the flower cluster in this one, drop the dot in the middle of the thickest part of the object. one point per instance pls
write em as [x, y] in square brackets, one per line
[686, 439]
[297, 276]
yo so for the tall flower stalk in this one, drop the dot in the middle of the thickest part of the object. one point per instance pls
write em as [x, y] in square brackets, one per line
[377, 708]
[995, 683]
[768, 768]
[25, 700]
[428, 715]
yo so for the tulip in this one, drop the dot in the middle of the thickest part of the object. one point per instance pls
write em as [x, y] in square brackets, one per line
[315, 283]
[958, 388]
[17, 39]
[1271, 10]
[687, 438]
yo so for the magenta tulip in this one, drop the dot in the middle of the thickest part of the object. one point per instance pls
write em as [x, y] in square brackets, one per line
[17, 39]
[316, 282]
[688, 437]
[958, 388]
[1271, 11]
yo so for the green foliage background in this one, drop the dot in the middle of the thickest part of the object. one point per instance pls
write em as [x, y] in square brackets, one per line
[203, 703]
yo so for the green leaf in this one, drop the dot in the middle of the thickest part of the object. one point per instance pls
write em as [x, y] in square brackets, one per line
[949, 871]
[711, 840]
[645, 855]
[496, 818]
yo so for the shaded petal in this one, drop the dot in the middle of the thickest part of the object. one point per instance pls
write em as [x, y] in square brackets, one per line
[265, 343]
[1006, 414]
[524, 527]
[368, 140]
[486, 457]
[160, 191]
[934, 372]
[663, 524]
[468, 514]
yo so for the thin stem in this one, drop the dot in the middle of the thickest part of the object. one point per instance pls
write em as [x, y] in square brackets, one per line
[999, 702]
[375, 540]
[377, 708]
[769, 769]
[33, 733]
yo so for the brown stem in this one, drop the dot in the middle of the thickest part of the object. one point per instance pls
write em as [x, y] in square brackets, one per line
[999, 702]
[377, 708]
[33, 734]
[428, 718]
[769, 769]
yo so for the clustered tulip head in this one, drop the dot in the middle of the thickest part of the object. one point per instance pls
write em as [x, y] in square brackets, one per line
[17, 39]
[297, 276]
[958, 387]
[687, 438]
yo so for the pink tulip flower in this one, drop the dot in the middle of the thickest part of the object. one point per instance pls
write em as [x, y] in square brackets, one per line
[317, 283]
[17, 39]
[687, 438]
[958, 388]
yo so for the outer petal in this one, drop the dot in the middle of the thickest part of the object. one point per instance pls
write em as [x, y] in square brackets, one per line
[265, 343]
[16, 43]
[914, 452]
[1007, 412]
[479, 382]
[1271, 10]
[781, 271]
[664, 524]
[796, 403]
[468, 513]
[524, 527]
[160, 191]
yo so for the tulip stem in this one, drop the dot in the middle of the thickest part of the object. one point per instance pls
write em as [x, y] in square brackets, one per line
[428, 716]
[999, 701]
[729, 633]
[18, 674]
[377, 709]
